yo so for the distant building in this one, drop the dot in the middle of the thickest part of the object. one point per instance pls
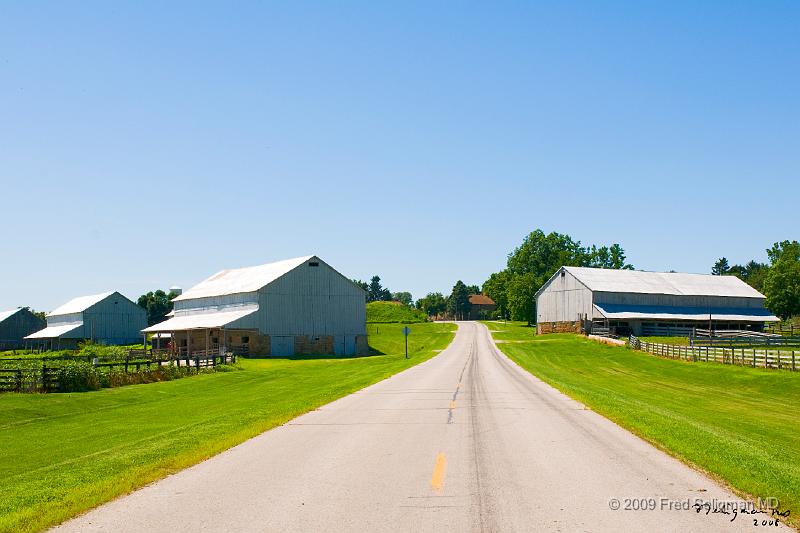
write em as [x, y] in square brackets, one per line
[15, 325]
[647, 303]
[107, 318]
[481, 307]
[296, 306]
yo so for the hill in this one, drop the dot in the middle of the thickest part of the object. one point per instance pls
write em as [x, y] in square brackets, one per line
[388, 312]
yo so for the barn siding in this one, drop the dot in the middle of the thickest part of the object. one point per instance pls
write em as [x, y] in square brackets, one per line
[563, 299]
[114, 320]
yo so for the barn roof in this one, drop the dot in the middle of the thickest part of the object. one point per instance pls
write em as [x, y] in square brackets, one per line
[663, 312]
[80, 304]
[480, 299]
[636, 281]
[202, 320]
[239, 280]
[7, 314]
[54, 332]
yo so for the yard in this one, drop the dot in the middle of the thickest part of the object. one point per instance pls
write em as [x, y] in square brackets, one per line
[739, 424]
[65, 453]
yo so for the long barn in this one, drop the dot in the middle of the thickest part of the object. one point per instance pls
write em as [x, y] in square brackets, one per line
[106, 318]
[647, 303]
[295, 306]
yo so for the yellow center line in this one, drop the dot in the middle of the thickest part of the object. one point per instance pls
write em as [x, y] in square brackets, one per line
[439, 469]
[452, 404]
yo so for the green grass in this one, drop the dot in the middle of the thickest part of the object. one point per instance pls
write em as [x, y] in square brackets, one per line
[388, 312]
[65, 453]
[677, 341]
[741, 425]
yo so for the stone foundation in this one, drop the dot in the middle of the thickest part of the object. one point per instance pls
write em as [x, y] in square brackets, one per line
[321, 345]
[573, 326]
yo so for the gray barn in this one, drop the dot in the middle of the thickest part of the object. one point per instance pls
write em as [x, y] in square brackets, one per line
[647, 303]
[296, 306]
[107, 318]
[15, 324]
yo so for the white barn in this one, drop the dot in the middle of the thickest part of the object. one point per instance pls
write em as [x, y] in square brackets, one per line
[106, 318]
[295, 306]
[647, 303]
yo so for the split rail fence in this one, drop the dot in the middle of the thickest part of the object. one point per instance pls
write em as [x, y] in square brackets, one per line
[766, 357]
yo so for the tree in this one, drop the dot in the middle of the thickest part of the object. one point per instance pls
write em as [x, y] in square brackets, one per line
[403, 297]
[433, 304]
[473, 289]
[521, 297]
[721, 267]
[495, 288]
[157, 304]
[458, 303]
[40, 314]
[361, 284]
[753, 273]
[376, 292]
[782, 282]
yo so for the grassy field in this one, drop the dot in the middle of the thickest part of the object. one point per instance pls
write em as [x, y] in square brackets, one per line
[739, 424]
[65, 453]
[388, 312]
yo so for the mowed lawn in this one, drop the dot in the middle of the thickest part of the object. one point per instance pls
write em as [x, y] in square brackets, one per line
[742, 425]
[65, 453]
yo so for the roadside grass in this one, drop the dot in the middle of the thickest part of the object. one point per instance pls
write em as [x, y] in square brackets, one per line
[387, 312]
[66, 453]
[738, 424]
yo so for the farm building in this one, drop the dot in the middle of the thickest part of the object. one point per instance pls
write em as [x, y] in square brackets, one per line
[15, 324]
[107, 318]
[296, 306]
[480, 307]
[647, 303]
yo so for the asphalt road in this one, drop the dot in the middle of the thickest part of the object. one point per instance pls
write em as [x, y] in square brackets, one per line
[466, 441]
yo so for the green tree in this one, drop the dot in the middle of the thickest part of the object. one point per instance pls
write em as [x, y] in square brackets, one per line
[361, 284]
[721, 267]
[403, 297]
[458, 305]
[376, 292]
[495, 288]
[782, 282]
[157, 304]
[433, 304]
[521, 297]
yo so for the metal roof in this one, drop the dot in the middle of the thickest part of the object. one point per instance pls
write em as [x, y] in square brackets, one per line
[202, 320]
[80, 304]
[657, 312]
[54, 332]
[239, 280]
[7, 314]
[636, 281]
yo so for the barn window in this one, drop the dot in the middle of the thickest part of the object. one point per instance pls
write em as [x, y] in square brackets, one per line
[245, 340]
[563, 274]
[214, 340]
[314, 264]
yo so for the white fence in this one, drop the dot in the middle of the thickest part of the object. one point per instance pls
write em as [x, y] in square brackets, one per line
[744, 356]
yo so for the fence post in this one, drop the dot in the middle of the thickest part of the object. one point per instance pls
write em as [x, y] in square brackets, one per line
[754, 357]
[792, 360]
[126, 363]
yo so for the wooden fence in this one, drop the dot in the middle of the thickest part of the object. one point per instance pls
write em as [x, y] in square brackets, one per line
[766, 357]
[46, 378]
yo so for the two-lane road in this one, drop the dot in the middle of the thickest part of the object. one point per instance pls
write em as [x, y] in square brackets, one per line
[466, 441]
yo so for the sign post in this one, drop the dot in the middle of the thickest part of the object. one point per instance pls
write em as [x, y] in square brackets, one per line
[406, 331]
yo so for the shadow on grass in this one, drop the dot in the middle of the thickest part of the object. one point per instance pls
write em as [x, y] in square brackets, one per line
[311, 357]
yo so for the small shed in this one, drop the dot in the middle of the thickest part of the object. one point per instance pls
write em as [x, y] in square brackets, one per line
[295, 306]
[15, 325]
[106, 318]
[481, 307]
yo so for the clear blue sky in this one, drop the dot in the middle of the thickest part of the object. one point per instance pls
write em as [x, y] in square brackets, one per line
[146, 145]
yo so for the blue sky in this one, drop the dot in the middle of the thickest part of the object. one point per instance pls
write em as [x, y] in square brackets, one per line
[145, 145]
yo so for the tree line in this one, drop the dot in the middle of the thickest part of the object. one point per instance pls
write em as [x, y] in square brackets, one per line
[779, 280]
